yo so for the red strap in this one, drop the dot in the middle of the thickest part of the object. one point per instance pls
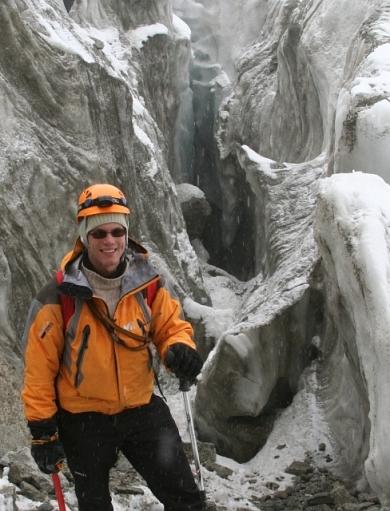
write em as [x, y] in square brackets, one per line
[59, 277]
[67, 302]
[151, 291]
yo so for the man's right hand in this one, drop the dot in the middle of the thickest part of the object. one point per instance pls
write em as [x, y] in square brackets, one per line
[48, 454]
[46, 448]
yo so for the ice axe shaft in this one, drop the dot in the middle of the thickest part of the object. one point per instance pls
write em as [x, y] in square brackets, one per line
[58, 491]
[185, 387]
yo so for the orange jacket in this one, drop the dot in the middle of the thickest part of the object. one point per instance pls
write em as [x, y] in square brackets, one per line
[86, 370]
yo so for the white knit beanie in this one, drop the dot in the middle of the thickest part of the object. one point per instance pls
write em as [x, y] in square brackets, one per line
[91, 222]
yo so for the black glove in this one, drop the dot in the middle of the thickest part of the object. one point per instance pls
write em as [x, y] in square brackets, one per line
[46, 449]
[184, 361]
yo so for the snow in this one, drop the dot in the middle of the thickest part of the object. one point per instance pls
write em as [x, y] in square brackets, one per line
[373, 82]
[141, 124]
[380, 56]
[215, 320]
[138, 107]
[380, 115]
[181, 27]
[78, 40]
[223, 288]
[373, 138]
[186, 255]
[356, 194]
[141, 118]
[300, 428]
[240, 344]
[60, 37]
[262, 161]
[188, 191]
[224, 291]
[365, 103]
[143, 137]
[115, 52]
[141, 35]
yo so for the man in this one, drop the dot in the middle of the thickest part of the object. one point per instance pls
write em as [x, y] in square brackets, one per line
[88, 388]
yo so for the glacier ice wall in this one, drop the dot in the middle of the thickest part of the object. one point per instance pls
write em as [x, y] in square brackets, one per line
[353, 218]
[278, 79]
[362, 122]
[286, 116]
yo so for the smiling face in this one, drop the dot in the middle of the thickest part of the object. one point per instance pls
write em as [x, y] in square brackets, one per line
[105, 253]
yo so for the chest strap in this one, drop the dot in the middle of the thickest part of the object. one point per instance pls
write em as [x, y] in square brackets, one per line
[114, 330]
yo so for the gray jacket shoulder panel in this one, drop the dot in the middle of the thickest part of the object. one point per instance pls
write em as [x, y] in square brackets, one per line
[49, 293]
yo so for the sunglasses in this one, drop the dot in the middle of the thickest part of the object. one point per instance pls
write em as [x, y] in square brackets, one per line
[102, 202]
[99, 234]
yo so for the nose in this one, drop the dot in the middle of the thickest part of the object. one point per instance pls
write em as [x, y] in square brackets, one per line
[109, 237]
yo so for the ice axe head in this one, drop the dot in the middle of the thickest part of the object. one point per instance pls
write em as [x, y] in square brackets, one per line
[184, 385]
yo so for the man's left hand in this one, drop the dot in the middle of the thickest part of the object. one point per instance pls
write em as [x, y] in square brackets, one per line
[183, 361]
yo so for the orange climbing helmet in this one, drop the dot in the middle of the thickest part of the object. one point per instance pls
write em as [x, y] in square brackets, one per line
[101, 199]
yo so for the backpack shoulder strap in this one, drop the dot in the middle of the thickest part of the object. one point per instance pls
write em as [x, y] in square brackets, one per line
[151, 291]
[67, 302]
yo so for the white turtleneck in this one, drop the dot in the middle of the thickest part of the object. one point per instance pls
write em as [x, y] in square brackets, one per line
[107, 289]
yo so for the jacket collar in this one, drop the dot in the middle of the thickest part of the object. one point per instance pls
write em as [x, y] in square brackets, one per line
[137, 275]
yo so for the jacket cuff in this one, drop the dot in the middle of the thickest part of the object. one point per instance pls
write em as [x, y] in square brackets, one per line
[45, 428]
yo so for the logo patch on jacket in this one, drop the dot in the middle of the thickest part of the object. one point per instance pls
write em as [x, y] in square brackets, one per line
[46, 329]
[128, 326]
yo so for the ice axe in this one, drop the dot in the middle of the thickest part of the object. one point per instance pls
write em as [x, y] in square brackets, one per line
[58, 489]
[185, 387]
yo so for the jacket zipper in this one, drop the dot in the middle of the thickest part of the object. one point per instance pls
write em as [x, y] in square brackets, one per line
[135, 291]
[81, 353]
[121, 400]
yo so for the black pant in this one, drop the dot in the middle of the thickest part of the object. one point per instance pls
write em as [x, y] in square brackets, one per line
[149, 439]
